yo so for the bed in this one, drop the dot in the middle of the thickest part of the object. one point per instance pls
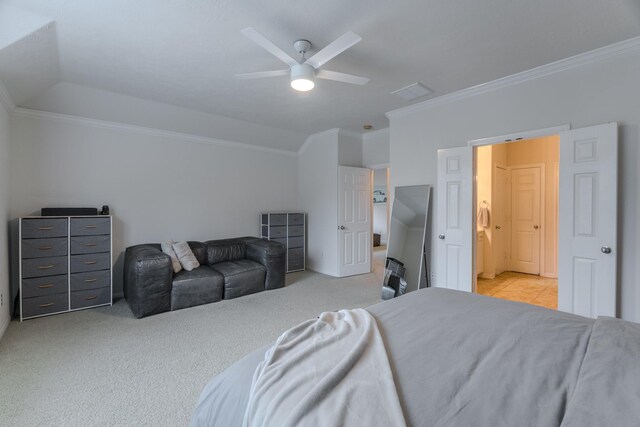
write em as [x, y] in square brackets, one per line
[461, 359]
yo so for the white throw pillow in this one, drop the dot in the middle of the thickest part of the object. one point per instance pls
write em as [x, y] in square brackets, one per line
[187, 259]
[167, 248]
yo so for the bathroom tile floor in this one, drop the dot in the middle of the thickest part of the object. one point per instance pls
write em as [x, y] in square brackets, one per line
[521, 287]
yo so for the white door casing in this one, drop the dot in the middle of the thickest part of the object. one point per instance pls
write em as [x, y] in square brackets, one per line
[500, 218]
[587, 254]
[525, 219]
[354, 221]
[455, 219]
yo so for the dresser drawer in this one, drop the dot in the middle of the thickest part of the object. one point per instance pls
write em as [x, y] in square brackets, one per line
[90, 262]
[277, 232]
[278, 219]
[296, 219]
[283, 241]
[82, 299]
[41, 248]
[42, 228]
[90, 244]
[90, 280]
[296, 230]
[38, 306]
[41, 286]
[295, 264]
[38, 267]
[294, 253]
[90, 226]
[296, 242]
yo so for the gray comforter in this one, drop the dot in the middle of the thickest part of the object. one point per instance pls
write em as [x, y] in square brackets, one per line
[462, 359]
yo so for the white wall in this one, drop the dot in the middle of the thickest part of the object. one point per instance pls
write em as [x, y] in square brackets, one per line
[381, 210]
[158, 187]
[318, 197]
[375, 148]
[5, 289]
[588, 95]
[349, 149]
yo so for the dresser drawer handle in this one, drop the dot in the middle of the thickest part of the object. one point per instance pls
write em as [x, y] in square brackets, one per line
[45, 267]
[90, 244]
[91, 297]
[45, 228]
[90, 280]
[46, 305]
[45, 248]
[90, 262]
[49, 285]
[91, 226]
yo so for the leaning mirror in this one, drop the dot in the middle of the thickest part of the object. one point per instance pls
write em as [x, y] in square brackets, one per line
[406, 265]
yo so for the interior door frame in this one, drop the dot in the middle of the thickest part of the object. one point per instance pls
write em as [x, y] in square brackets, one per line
[543, 225]
[493, 140]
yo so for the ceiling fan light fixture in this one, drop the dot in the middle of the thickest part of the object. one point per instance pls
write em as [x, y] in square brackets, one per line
[302, 77]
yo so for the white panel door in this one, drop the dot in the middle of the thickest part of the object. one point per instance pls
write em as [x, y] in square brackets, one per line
[454, 250]
[525, 220]
[354, 221]
[587, 221]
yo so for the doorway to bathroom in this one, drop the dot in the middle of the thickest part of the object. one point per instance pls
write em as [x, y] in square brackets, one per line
[516, 190]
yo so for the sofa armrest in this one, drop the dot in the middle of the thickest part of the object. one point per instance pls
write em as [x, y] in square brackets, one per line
[273, 256]
[148, 277]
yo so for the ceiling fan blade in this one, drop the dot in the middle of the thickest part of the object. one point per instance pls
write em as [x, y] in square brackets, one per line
[333, 49]
[263, 74]
[341, 77]
[268, 46]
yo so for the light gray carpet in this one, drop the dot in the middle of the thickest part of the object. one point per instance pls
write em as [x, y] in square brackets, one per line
[104, 367]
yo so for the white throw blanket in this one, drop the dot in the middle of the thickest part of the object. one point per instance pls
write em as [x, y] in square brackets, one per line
[332, 371]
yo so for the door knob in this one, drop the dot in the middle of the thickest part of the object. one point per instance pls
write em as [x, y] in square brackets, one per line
[498, 227]
[605, 250]
[535, 226]
[441, 236]
[341, 227]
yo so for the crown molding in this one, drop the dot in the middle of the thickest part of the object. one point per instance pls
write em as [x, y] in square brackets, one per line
[142, 130]
[5, 99]
[598, 55]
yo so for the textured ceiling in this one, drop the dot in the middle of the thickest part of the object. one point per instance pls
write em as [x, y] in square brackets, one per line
[186, 53]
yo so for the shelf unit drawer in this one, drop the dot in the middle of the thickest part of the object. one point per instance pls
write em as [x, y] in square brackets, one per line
[90, 280]
[41, 248]
[278, 219]
[295, 264]
[48, 304]
[296, 219]
[42, 228]
[41, 286]
[90, 262]
[277, 232]
[296, 242]
[296, 230]
[90, 298]
[90, 244]
[296, 253]
[39, 267]
[90, 226]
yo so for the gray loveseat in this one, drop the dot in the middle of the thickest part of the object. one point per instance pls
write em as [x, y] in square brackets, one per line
[229, 268]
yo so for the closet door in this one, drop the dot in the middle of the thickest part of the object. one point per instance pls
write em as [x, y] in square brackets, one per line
[587, 255]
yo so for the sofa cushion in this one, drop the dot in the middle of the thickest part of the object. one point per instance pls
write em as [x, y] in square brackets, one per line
[199, 249]
[241, 277]
[227, 249]
[201, 285]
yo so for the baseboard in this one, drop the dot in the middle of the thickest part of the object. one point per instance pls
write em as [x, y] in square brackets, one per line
[549, 276]
[487, 276]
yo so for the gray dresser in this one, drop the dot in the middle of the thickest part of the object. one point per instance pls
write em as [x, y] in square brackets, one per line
[65, 264]
[287, 228]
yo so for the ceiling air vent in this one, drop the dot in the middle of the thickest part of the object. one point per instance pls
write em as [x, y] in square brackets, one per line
[413, 91]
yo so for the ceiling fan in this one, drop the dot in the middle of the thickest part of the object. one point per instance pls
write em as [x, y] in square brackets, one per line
[303, 72]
